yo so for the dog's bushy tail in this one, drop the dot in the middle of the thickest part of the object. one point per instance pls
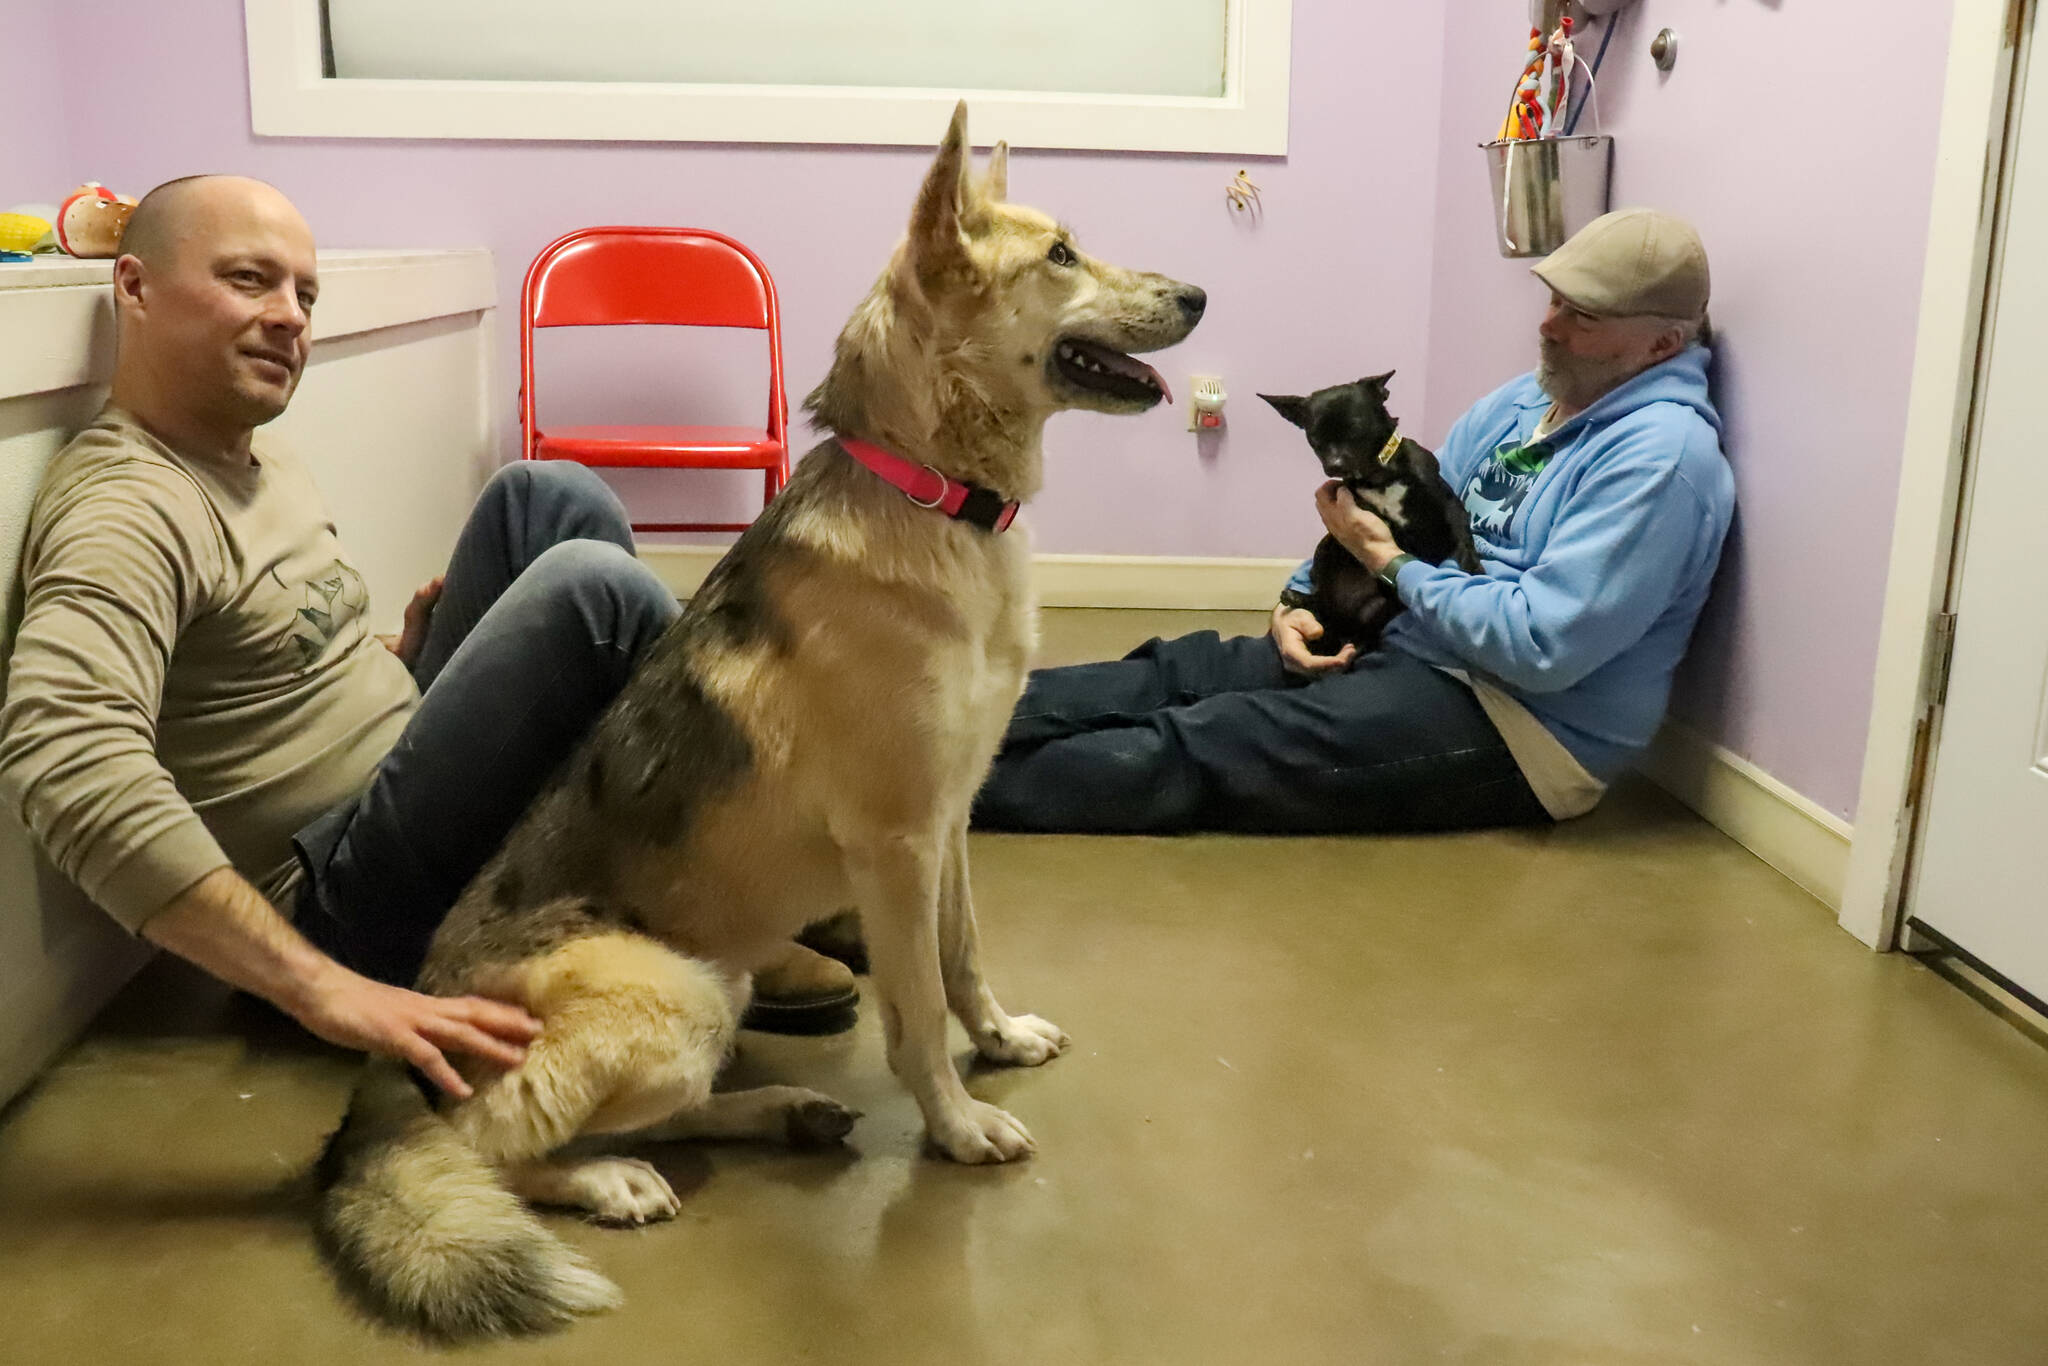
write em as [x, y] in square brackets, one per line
[423, 1234]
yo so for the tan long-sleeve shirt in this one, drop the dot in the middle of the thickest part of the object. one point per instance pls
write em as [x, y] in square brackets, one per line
[194, 678]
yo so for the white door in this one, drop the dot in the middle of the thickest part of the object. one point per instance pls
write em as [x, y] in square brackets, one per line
[1982, 867]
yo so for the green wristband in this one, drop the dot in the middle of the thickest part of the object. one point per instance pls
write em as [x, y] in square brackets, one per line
[1390, 573]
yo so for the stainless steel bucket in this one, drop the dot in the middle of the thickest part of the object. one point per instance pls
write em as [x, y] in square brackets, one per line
[1546, 189]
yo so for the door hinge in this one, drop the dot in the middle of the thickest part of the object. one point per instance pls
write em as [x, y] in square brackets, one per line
[1944, 657]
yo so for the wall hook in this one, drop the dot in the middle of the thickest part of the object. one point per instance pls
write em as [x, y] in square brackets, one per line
[1243, 195]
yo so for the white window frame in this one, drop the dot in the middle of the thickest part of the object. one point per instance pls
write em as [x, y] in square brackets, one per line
[290, 97]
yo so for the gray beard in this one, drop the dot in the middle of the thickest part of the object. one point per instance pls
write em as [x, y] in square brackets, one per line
[1579, 383]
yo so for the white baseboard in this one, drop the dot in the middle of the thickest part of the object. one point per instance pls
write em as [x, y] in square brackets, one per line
[1802, 840]
[1190, 583]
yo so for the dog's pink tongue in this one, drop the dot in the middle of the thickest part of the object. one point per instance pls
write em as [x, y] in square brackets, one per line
[1137, 369]
[1157, 379]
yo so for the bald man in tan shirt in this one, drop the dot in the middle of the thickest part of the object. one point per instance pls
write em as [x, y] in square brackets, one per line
[199, 728]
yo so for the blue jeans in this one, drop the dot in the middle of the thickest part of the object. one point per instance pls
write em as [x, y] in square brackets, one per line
[1202, 733]
[542, 617]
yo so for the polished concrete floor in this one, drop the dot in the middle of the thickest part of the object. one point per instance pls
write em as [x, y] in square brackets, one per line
[1609, 1093]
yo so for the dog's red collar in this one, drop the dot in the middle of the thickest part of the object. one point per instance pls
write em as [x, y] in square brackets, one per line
[927, 488]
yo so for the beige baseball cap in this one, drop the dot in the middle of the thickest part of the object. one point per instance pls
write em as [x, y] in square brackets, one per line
[1631, 263]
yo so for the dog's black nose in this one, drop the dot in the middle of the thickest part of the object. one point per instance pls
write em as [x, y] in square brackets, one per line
[1192, 302]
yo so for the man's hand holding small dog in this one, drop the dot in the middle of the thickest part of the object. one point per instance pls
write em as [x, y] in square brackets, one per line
[1363, 533]
[1292, 629]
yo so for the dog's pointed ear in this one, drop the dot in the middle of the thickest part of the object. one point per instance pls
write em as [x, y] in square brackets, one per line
[937, 244]
[1291, 407]
[1379, 383]
[995, 185]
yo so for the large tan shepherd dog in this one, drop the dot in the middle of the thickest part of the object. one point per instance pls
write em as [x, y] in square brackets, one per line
[808, 736]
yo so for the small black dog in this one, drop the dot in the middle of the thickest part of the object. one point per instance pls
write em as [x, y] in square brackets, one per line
[1360, 443]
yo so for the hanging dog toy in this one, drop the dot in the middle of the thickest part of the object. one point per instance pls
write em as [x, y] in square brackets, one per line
[1244, 196]
[1570, 63]
[1525, 101]
[1563, 52]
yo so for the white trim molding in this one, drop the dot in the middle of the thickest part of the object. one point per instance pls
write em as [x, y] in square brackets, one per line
[1801, 839]
[1191, 583]
[290, 95]
[1953, 292]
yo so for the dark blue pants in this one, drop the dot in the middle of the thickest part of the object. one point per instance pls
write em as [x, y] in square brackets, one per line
[1202, 733]
[542, 617]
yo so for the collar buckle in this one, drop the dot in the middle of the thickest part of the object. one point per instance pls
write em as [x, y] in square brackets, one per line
[957, 499]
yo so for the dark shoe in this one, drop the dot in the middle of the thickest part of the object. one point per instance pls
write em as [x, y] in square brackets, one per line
[839, 937]
[803, 993]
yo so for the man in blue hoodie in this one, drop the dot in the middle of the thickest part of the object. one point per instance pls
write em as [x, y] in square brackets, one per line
[1599, 500]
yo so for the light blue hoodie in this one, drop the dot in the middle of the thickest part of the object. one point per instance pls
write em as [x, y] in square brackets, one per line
[1595, 565]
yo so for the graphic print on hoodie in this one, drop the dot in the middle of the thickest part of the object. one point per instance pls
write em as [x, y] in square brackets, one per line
[1494, 493]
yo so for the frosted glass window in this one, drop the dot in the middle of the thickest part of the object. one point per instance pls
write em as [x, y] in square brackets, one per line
[1205, 76]
[1122, 47]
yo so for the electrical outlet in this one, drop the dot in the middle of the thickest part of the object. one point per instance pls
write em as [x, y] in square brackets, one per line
[1205, 402]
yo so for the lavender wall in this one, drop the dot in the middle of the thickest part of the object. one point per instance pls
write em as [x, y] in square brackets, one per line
[1816, 225]
[1375, 253]
[36, 153]
[1332, 281]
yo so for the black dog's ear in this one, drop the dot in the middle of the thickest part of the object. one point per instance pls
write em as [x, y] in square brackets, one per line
[1379, 383]
[1289, 406]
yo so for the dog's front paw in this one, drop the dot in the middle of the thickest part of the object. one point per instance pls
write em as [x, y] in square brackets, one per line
[982, 1133]
[1021, 1041]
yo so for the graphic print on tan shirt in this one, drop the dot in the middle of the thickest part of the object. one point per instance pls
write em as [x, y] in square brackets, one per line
[194, 678]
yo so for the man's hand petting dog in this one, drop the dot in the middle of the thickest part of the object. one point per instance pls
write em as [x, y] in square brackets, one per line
[1364, 534]
[357, 1012]
[1292, 629]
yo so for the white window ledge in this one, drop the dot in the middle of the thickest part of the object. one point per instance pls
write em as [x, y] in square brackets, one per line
[291, 97]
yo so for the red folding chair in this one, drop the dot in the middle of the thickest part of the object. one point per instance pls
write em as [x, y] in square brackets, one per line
[680, 277]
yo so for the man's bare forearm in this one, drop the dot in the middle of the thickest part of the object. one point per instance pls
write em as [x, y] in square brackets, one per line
[227, 927]
[223, 924]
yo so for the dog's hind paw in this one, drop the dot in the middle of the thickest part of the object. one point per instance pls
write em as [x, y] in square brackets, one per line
[1022, 1041]
[625, 1190]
